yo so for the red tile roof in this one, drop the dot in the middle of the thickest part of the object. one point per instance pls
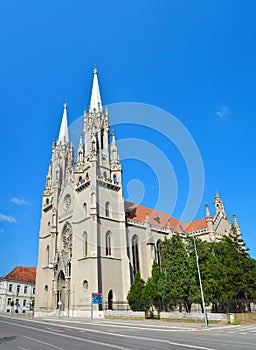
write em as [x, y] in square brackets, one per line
[196, 225]
[138, 212]
[22, 273]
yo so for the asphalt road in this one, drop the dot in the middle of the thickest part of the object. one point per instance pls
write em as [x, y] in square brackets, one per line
[72, 334]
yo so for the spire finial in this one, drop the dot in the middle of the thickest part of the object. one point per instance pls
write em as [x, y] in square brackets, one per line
[207, 211]
[81, 139]
[113, 136]
[63, 135]
[235, 220]
[95, 104]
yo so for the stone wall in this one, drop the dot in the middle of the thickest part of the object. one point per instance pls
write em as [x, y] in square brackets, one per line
[135, 315]
[193, 317]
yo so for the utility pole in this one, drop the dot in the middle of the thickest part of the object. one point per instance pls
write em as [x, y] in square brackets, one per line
[200, 282]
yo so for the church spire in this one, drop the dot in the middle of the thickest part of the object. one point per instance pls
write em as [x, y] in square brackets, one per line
[236, 223]
[217, 194]
[219, 205]
[115, 156]
[63, 135]
[95, 103]
[207, 211]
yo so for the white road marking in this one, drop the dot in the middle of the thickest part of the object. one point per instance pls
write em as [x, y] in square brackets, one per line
[42, 342]
[131, 325]
[112, 346]
[109, 333]
[19, 347]
[191, 346]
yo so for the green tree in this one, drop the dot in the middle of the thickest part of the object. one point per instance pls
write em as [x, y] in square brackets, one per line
[178, 282]
[238, 275]
[209, 269]
[152, 291]
[136, 294]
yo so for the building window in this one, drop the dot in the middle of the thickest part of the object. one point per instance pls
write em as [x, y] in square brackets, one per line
[25, 289]
[107, 209]
[135, 255]
[54, 220]
[24, 302]
[85, 210]
[46, 288]
[102, 138]
[85, 285]
[9, 300]
[115, 179]
[69, 269]
[10, 287]
[18, 289]
[47, 255]
[85, 244]
[34, 290]
[158, 258]
[110, 300]
[108, 243]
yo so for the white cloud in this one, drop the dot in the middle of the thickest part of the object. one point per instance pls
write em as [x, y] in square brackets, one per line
[18, 201]
[7, 218]
[222, 112]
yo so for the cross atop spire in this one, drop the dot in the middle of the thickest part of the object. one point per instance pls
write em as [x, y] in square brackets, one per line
[63, 135]
[95, 103]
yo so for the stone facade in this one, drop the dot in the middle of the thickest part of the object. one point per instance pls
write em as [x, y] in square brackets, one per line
[90, 239]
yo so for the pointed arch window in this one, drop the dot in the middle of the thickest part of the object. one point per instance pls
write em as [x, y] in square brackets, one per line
[135, 255]
[56, 241]
[102, 138]
[85, 210]
[115, 179]
[69, 269]
[85, 243]
[107, 209]
[110, 300]
[47, 255]
[158, 257]
[53, 219]
[108, 243]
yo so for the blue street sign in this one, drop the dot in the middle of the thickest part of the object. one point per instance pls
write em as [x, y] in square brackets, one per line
[97, 298]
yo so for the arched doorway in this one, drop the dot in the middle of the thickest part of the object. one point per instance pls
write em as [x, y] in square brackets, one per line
[110, 300]
[60, 291]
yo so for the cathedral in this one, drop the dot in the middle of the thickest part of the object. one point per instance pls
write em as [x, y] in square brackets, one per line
[91, 240]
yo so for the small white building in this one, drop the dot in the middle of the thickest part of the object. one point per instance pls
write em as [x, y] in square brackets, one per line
[17, 290]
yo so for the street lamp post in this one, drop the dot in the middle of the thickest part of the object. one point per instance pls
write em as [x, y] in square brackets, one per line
[59, 302]
[200, 282]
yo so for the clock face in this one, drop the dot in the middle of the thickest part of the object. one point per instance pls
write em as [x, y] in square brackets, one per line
[67, 201]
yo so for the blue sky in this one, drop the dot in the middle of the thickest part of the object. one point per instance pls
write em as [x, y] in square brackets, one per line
[193, 59]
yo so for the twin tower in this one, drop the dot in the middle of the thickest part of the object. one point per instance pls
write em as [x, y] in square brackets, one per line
[82, 243]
